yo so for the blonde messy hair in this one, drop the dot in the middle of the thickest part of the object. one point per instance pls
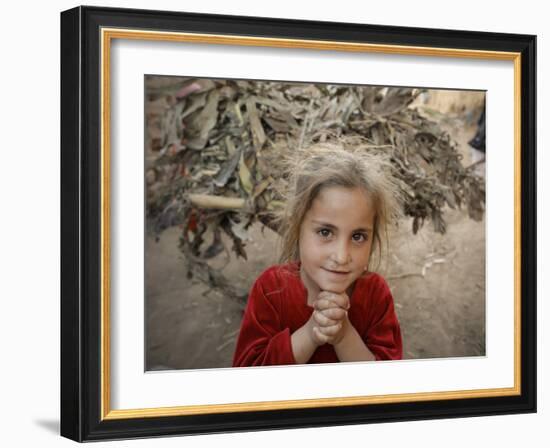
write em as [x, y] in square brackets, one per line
[342, 164]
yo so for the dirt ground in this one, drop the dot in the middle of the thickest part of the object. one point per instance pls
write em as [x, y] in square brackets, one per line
[437, 281]
[438, 284]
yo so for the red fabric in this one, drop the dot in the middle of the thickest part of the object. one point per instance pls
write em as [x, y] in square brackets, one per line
[277, 307]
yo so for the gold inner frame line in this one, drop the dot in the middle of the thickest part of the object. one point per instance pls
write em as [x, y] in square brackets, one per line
[107, 35]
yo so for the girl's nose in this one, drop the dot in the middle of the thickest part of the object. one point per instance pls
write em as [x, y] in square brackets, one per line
[341, 254]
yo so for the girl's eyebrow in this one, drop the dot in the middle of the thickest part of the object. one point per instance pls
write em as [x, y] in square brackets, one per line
[332, 226]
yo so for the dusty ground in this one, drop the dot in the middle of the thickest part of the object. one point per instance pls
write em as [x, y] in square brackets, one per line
[438, 284]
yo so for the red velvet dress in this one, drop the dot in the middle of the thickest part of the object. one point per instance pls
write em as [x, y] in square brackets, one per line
[277, 307]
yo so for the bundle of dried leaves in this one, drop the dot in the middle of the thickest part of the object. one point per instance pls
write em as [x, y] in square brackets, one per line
[218, 157]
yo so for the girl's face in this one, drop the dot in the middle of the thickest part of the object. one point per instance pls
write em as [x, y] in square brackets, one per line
[335, 239]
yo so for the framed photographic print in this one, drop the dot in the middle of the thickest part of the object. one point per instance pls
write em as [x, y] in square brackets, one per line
[273, 223]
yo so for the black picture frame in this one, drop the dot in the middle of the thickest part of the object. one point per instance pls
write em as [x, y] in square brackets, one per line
[84, 413]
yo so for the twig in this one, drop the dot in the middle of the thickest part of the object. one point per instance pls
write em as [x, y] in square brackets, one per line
[479, 162]
[408, 274]
[422, 274]
[232, 334]
[208, 201]
[225, 344]
[304, 125]
[429, 264]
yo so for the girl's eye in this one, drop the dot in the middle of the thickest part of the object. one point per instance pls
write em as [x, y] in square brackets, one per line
[325, 233]
[359, 237]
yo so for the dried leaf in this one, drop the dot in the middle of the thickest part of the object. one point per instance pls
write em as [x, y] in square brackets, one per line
[203, 122]
[216, 247]
[187, 90]
[277, 125]
[195, 102]
[275, 205]
[258, 134]
[393, 100]
[438, 222]
[244, 175]
[239, 230]
[261, 187]
[227, 170]
[238, 245]
[449, 197]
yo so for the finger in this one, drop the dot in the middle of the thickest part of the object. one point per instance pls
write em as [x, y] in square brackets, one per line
[319, 336]
[342, 300]
[335, 314]
[323, 320]
[332, 330]
[324, 304]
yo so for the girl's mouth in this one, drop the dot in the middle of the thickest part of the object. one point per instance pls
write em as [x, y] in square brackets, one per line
[337, 272]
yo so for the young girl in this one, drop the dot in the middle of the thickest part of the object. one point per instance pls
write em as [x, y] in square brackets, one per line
[322, 304]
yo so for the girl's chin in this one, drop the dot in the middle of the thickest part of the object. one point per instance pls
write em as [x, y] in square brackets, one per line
[337, 287]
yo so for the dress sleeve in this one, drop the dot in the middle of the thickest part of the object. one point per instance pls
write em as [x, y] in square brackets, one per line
[262, 340]
[383, 335]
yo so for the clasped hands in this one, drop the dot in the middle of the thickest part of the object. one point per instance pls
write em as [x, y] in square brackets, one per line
[330, 317]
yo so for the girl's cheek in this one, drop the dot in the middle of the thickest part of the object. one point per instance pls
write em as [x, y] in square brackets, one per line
[320, 250]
